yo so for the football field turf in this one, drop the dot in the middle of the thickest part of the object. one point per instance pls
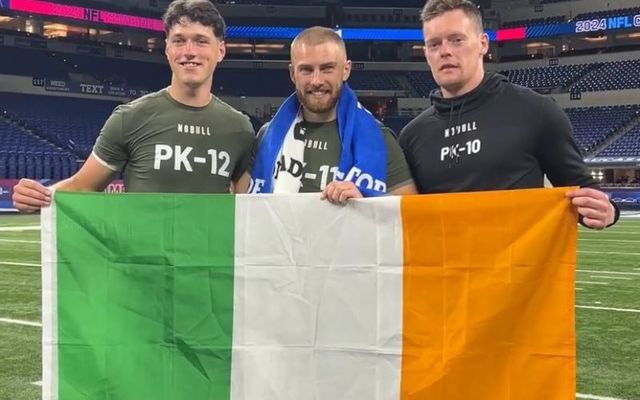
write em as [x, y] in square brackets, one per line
[607, 310]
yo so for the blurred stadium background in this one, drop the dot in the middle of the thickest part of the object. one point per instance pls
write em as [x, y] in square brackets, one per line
[65, 64]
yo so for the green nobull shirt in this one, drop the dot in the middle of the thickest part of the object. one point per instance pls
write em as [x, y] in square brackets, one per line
[322, 157]
[166, 146]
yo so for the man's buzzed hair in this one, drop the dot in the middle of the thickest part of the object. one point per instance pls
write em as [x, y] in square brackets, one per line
[319, 35]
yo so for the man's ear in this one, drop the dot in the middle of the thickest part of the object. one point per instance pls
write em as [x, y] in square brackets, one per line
[222, 51]
[347, 71]
[292, 75]
[484, 45]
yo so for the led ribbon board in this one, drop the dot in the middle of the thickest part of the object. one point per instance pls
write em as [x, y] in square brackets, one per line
[86, 14]
[276, 32]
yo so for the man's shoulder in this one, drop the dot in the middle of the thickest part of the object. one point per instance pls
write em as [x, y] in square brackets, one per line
[149, 101]
[537, 106]
[419, 123]
[263, 130]
[229, 111]
[232, 118]
[512, 90]
[387, 131]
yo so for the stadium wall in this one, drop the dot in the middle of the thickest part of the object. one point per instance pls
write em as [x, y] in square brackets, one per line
[603, 98]
[24, 85]
[594, 58]
[96, 50]
[568, 8]
[121, 53]
[589, 99]
[261, 106]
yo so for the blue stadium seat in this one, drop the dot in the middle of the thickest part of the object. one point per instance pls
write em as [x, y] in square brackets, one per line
[607, 13]
[592, 125]
[627, 145]
[3, 166]
[422, 82]
[616, 75]
[547, 77]
[69, 123]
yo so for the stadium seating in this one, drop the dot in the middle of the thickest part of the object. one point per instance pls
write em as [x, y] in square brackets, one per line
[242, 82]
[627, 145]
[23, 155]
[534, 21]
[384, 3]
[553, 1]
[346, 3]
[71, 124]
[49, 134]
[46, 64]
[421, 82]
[396, 123]
[275, 82]
[607, 13]
[268, 2]
[547, 77]
[374, 80]
[33, 63]
[139, 74]
[592, 125]
[616, 75]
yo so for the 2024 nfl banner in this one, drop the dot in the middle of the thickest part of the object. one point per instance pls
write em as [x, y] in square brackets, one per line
[458, 296]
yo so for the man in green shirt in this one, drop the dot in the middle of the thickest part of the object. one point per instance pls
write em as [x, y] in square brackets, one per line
[179, 139]
[319, 69]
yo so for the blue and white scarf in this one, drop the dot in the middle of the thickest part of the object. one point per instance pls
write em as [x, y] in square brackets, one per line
[363, 158]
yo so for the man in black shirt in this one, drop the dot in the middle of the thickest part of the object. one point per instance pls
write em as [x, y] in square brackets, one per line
[484, 133]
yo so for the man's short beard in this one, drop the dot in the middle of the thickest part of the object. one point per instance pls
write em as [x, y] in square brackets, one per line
[315, 107]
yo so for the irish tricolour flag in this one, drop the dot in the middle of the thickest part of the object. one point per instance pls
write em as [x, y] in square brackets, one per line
[163, 297]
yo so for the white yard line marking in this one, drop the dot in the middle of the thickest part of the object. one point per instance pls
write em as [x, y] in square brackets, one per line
[617, 231]
[592, 283]
[594, 271]
[19, 322]
[18, 241]
[579, 288]
[624, 253]
[609, 240]
[19, 264]
[37, 383]
[19, 228]
[622, 227]
[594, 397]
[631, 310]
[610, 277]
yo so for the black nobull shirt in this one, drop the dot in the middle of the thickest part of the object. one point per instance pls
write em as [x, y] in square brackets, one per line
[498, 136]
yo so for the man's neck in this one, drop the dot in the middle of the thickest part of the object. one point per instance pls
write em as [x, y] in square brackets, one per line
[193, 97]
[319, 117]
[468, 87]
